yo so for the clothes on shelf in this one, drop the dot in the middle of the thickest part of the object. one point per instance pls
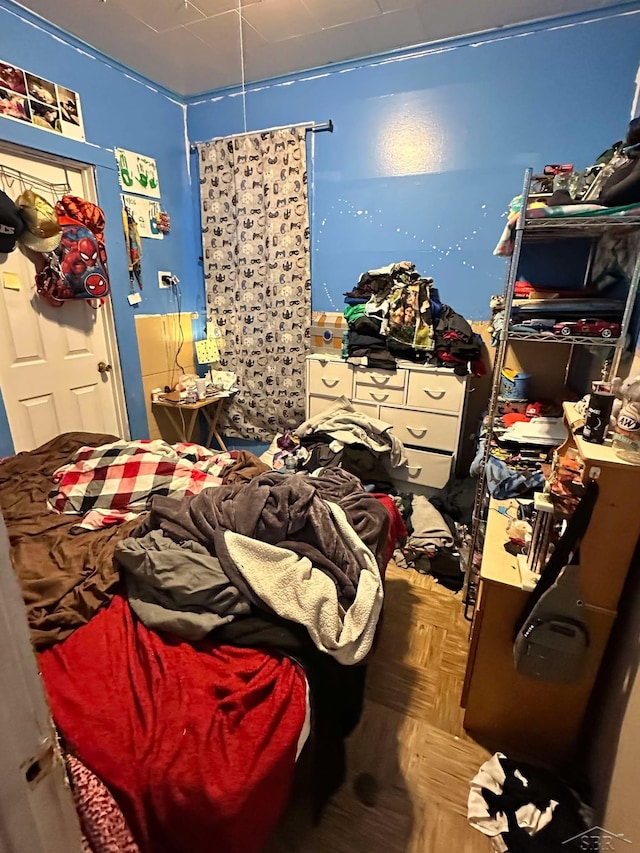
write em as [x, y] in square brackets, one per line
[506, 242]
[523, 435]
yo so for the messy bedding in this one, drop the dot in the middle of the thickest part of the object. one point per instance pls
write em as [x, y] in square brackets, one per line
[185, 650]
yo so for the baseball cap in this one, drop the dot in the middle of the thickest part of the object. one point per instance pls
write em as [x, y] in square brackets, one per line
[11, 224]
[42, 232]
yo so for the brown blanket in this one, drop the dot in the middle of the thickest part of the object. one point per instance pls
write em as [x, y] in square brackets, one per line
[65, 579]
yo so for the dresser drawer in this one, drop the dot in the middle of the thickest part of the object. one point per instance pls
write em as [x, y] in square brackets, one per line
[370, 409]
[380, 378]
[424, 468]
[424, 429]
[316, 405]
[331, 377]
[440, 391]
[373, 394]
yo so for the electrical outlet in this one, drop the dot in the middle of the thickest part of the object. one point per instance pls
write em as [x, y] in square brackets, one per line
[166, 275]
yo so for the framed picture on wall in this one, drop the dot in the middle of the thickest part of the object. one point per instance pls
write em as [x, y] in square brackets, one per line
[28, 98]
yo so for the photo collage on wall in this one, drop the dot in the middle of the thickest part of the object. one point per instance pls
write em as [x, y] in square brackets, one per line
[28, 98]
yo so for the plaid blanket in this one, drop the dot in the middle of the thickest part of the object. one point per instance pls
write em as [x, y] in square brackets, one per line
[125, 475]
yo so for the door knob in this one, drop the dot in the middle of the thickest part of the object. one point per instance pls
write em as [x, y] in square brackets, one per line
[103, 367]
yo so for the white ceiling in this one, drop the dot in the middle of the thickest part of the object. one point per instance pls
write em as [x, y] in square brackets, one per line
[193, 46]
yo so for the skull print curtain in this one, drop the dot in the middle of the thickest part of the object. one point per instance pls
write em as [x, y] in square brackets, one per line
[255, 237]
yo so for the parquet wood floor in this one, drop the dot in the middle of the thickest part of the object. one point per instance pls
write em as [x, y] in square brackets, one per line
[410, 738]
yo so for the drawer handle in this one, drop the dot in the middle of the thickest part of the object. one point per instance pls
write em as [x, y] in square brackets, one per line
[416, 468]
[434, 394]
[380, 398]
[330, 382]
[418, 432]
[384, 381]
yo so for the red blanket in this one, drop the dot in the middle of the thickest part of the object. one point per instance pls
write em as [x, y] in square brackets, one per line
[197, 743]
[397, 528]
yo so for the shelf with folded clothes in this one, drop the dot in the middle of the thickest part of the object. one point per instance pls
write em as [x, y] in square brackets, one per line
[578, 225]
[583, 298]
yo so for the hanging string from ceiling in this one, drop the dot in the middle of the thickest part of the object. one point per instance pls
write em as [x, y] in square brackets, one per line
[242, 70]
[310, 126]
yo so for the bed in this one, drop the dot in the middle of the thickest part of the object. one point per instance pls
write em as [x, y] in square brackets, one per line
[200, 742]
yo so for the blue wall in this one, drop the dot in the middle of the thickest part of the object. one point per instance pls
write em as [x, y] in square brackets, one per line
[121, 110]
[429, 146]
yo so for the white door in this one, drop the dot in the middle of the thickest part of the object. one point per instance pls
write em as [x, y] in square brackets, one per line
[50, 357]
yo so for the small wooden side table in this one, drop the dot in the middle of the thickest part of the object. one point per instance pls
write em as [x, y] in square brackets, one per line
[185, 417]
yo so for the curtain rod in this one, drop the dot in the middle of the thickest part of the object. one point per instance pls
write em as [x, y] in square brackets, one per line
[310, 127]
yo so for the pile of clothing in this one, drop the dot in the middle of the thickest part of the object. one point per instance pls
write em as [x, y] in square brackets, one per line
[234, 646]
[430, 545]
[340, 437]
[300, 547]
[394, 312]
[525, 809]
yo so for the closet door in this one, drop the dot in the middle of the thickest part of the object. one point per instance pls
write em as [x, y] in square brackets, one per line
[58, 366]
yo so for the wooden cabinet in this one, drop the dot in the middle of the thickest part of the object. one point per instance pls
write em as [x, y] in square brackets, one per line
[424, 406]
[511, 711]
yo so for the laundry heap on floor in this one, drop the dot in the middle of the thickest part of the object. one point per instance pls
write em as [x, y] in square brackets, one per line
[427, 531]
[526, 809]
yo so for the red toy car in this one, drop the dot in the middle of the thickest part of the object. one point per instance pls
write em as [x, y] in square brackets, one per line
[588, 328]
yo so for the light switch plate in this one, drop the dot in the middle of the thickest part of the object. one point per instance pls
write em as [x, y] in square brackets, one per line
[134, 298]
[163, 274]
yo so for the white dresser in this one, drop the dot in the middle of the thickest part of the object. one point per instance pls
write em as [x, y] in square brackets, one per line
[424, 405]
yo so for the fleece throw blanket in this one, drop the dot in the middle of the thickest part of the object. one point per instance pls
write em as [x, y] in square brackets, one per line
[295, 590]
[197, 743]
